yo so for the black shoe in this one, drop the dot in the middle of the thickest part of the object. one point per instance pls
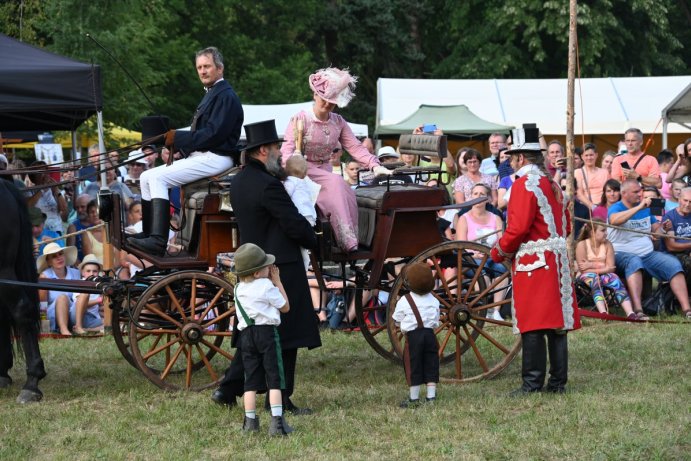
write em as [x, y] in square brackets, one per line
[250, 424]
[555, 390]
[277, 426]
[520, 392]
[5, 381]
[296, 411]
[410, 403]
[222, 398]
[430, 399]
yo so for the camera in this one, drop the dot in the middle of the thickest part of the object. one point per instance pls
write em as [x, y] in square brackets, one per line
[429, 128]
[657, 206]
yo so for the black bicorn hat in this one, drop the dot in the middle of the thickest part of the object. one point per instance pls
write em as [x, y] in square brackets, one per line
[260, 133]
[525, 140]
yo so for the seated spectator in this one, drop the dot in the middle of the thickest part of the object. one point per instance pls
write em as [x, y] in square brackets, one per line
[554, 160]
[115, 186]
[388, 154]
[680, 223]
[113, 161]
[56, 263]
[596, 268]
[682, 166]
[611, 194]
[590, 179]
[578, 157]
[636, 164]
[677, 186]
[502, 191]
[48, 199]
[81, 222]
[351, 170]
[634, 252]
[485, 228]
[606, 162]
[490, 164]
[40, 233]
[665, 160]
[134, 170]
[463, 185]
[651, 193]
[86, 315]
[92, 241]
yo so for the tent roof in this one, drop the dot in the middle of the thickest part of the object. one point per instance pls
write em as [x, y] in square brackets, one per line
[40, 90]
[609, 105]
[282, 114]
[452, 119]
[679, 110]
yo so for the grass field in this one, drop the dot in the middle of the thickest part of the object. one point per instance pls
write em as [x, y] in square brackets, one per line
[629, 398]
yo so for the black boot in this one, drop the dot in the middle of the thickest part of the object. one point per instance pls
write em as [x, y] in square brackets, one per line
[534, 362]
[157, 241]
[250, 424]
[276, 427]
[146, 221]
[558, 361]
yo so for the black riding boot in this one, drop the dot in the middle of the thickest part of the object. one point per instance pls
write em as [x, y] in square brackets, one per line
[558, 361]
[534, 362]
[147, 218]
[157, 241]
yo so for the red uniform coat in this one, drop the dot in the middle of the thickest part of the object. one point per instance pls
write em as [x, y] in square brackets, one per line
[535, 238]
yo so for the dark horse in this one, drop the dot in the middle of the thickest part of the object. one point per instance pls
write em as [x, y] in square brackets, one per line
[19, 306]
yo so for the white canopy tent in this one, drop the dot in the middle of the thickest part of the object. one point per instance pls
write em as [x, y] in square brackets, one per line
[678, 111]
[609, 105]
[282, 114]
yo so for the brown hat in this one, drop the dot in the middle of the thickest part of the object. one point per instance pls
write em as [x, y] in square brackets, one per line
[419, 278]
[36, 216]
[249, 258]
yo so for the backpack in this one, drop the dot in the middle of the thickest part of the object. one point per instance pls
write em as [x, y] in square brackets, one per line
[660, 301]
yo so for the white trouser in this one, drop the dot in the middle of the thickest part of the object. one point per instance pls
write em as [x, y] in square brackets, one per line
[155, 183]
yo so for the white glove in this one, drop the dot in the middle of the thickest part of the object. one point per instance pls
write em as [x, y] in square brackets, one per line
[381, 170]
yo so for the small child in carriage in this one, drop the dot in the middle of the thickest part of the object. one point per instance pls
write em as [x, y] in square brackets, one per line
[303, 192]
[259, 299]
[418, 315]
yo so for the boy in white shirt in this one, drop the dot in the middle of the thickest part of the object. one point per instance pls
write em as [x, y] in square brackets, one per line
[259, 299]
[418, 316]
[87, 318]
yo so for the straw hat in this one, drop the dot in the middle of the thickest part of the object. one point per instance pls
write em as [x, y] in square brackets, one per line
[51, 249]
[90, 259]
[333, 85]
[249, 258]
[419, 278]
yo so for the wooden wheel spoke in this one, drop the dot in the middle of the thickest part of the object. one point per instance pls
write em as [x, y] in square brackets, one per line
[490, 338]
[193, 296]
[445, 341]
[476, 276]
[377, 329]
[158, 331]
[457, 358]
[165, 316]
[476, 350]
[489, 288]
[207, 364]
[217, 319]
[170, 363]
[459, 274]
[218, 333]
[504, 323]
[176, 302]
[155, 350]
[188, 371]
[212, 303]
[440, 276]
[227, 355]
[441, 300]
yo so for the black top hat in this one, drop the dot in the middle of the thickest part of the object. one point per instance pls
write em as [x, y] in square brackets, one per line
[525, 140]
[261, 133]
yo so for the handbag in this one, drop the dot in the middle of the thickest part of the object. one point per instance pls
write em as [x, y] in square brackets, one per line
[660, 301]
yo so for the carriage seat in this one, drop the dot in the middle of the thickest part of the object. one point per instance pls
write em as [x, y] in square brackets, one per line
[369, 203]
[193, 195]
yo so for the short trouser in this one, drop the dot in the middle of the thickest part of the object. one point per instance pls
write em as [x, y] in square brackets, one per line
[261, 355]
[421, 357]
[660, 265]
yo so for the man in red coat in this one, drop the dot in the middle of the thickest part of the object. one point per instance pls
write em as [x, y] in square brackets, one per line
[535, 240]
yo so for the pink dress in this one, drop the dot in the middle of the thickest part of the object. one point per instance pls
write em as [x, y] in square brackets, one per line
[336, 199]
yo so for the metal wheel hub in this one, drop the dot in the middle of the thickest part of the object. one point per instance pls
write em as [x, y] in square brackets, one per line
[459, 315]
[192, 333]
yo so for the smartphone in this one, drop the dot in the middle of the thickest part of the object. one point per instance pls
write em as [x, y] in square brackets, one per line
[429, 128]
[625, 165]
[657, 206]
[561, 161]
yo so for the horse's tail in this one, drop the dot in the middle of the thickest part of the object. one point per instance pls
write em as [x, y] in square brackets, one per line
[25, 266]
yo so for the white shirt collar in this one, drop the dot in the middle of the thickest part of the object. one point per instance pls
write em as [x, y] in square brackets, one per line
[529, 168]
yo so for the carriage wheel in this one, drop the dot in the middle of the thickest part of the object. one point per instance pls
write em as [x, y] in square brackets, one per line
[371, 319]
[121, 325]
[475, 346]
[178, 330]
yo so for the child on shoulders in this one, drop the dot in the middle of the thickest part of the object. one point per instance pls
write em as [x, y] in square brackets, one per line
[260, 299]
[418, 315]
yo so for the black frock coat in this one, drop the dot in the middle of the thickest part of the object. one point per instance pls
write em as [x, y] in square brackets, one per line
[268, 218]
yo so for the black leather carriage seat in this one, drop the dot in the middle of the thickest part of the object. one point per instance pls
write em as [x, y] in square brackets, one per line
[194, 194]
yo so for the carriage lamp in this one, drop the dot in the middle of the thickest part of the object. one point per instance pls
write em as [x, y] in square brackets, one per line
[105, 205]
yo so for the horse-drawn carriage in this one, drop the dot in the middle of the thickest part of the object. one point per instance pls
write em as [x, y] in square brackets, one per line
[173, 320]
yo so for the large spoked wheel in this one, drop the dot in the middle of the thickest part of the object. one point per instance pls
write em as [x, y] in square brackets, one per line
[121, 324]
[180, 331]
[474, 345]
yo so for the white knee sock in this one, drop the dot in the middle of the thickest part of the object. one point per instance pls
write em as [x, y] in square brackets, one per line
[415, 392]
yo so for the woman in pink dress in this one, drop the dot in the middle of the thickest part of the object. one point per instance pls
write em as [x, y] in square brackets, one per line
[321, 132]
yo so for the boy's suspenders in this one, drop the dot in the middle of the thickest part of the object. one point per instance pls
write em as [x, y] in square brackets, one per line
[413, 306]
[248, 320]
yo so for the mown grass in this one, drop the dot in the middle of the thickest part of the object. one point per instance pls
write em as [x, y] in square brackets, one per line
[629, 399]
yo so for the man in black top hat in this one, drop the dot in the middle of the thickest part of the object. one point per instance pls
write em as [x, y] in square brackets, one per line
[208, 148]
[268, 218]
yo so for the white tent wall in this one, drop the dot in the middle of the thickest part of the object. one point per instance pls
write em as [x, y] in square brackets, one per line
[679, 111]
[282, 114]
[609, 105]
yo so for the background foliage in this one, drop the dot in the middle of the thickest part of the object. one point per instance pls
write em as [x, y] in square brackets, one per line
[271, 46]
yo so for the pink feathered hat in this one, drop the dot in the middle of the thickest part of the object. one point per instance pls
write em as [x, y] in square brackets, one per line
[333, 85]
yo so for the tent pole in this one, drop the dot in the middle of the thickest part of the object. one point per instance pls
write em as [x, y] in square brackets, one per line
[76, 151]
[664, 133]
[107, 246]
[569, 122]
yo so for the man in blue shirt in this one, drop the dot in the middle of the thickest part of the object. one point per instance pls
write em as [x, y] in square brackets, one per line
[634, 252]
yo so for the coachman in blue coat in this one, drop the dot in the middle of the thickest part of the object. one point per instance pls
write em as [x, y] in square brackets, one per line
[268, 218]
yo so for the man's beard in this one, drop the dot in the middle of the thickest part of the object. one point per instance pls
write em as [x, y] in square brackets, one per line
[274, 167]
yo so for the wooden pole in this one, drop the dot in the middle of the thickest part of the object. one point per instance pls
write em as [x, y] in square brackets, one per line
[569, 121]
